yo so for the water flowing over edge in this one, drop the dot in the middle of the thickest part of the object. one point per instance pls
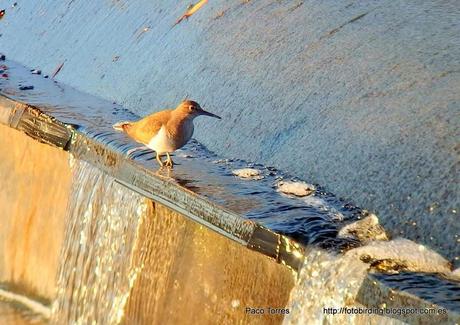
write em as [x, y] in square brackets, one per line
[97, 271]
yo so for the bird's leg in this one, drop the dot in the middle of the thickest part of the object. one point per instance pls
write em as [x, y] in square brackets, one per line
[169, 161]
[159, 160]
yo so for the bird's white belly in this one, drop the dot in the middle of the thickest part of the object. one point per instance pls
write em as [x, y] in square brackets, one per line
[162, 142]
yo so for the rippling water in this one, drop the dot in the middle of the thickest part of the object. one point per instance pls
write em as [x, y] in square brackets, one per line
[315, 219]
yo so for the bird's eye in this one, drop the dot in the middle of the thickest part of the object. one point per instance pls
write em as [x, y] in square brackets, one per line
[191, 108]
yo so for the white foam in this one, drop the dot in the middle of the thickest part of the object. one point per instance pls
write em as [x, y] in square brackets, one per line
[249, 173]
[295, 188]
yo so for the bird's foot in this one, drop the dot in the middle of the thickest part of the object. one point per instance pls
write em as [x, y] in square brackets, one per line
[169, 163]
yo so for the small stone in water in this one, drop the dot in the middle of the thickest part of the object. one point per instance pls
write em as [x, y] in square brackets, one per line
[2, 57]
[249, 173]
[36, 71]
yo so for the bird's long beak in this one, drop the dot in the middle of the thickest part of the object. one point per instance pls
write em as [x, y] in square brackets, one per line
[203, 112]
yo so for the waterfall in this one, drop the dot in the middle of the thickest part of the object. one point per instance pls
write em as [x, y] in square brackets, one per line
[98, 269]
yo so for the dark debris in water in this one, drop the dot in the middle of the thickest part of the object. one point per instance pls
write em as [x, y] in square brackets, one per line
[25, 87]
[385, 265]
[57, 70]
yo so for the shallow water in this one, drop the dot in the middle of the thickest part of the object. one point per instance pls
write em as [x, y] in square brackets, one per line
[314, 219]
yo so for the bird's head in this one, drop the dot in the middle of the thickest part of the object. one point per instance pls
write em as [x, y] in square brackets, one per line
[192, 109]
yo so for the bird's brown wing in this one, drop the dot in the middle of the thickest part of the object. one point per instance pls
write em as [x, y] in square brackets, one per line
[145, 129]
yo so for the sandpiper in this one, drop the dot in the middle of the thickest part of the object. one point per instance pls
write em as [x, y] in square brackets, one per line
[165, 131]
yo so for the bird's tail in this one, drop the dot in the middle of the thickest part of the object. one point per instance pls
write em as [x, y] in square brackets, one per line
[122, 126]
